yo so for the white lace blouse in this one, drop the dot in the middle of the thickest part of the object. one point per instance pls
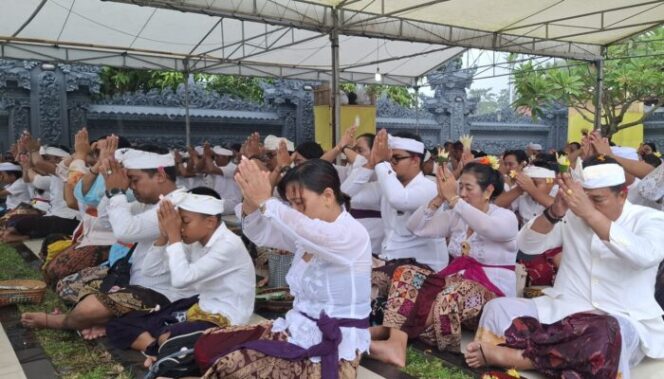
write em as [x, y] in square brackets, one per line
[337, 279]
[493, 241]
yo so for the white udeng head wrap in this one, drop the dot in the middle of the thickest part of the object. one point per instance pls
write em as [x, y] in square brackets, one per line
[539, 172]
[203, 204]
[602, 175]
[199, 150]
[408, 144]
[271, 142]
[218, 150]
[8, 166]
[133, 159]
[54, 151]
[534, 146]
[625, 152]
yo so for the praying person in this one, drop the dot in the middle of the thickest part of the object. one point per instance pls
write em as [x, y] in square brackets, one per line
[401, 188]
[198, 252]
[150, 173]
[14, 190]
[326, 332]
[482, 241]
[600, 318]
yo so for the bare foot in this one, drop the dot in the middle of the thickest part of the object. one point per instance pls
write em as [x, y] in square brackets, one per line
[42, 320]
[389, 352]
[474, 356]
[149, 360]
[12, 237]
[93, 333]
[478, 355]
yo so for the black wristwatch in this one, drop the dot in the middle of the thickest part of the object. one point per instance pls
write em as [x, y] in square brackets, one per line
[115, 191]
[553, 220]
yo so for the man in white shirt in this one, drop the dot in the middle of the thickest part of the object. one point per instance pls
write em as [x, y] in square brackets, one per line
[14, 190]
[220, 166]
[150, 173]
[401, 189]
[47, 168]
[602, 306]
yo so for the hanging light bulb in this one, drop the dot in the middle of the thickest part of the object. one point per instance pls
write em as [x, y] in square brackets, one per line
[378, 77]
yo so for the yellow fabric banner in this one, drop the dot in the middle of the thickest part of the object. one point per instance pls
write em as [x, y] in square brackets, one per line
[632, 136]
[324, 133]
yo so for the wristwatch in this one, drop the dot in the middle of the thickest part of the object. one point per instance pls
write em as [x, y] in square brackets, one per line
[115, 191]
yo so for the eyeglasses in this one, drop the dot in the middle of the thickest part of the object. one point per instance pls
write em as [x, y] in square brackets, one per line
[396, 159]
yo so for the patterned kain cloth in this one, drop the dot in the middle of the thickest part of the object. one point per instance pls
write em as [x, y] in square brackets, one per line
[458, 304]
[68, 288]
[583, 345]
[212, 349]
[381, 279]
[73, 260]
[119, 301]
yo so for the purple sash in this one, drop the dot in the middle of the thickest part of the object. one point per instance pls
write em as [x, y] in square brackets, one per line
[434, 283]
[327, 349]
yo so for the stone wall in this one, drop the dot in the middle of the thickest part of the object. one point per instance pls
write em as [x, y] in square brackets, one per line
[53, 101]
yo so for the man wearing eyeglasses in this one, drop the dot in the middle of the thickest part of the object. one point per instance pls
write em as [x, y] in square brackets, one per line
[400, 186]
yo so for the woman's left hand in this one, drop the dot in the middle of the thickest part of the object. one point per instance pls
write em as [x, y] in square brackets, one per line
[169, 221]
[253, 182]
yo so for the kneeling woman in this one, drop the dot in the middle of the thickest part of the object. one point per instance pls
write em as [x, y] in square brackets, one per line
[482, 242]
[326, 331]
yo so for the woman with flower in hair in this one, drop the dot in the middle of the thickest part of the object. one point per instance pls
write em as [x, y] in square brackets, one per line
[482, 243]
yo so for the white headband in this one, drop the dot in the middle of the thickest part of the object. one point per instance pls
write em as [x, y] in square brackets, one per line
[218, 150]
[534, 146]
[602, 175]
[407, 144]
[54, 151]
[138, 160]
[8, 166]
[625, 152]
[272, 143]
[203, 204]
[539, 172]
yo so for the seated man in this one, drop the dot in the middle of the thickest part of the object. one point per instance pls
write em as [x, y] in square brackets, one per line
[601, 317]
[199, 252]
[14, 190]
[150, 173]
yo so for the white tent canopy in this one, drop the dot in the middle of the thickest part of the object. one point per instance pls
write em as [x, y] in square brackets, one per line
[405, 39]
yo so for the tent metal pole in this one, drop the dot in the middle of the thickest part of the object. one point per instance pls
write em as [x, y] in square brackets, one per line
[599, 84]
[334, 91]
[187, 123]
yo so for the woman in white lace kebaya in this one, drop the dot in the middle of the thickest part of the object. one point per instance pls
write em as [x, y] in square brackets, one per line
[482, 241]
[326, 332]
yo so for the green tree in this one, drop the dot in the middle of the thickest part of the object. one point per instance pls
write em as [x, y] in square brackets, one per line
[400, 95]
[117, 80]
[632, 73]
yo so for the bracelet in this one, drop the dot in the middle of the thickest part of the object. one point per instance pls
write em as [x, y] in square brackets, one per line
[550, 218]
[92, 172]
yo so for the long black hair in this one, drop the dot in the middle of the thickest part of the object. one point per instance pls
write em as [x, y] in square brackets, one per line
[315, 175]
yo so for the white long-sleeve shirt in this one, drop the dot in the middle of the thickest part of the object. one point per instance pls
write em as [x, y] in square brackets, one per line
[227, 188]
[362, 197]
[337, 278]
[615, 276]
[220, 272]
[493, 241]
[397, 204]
[137, 222]
[17, 193]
